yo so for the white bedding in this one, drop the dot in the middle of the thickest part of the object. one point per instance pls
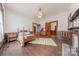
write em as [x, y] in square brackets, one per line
[20, 37]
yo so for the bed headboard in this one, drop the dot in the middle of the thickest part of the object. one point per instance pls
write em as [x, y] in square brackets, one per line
[22, 30]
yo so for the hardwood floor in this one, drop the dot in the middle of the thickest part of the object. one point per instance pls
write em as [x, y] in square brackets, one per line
[14, 49]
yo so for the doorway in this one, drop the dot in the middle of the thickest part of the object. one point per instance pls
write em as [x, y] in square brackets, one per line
[36, 28]
[51, 28]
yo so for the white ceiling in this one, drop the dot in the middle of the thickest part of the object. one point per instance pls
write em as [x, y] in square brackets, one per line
[30, 9]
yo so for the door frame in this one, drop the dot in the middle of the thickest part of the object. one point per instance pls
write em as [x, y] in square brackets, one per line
[56, 23]
[34, 25]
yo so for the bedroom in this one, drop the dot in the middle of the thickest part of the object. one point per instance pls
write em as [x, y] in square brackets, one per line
[36, 28]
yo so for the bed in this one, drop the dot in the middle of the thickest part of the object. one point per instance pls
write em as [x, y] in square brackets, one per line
[25, 36]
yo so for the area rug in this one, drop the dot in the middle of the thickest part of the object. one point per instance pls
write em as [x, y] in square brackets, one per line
[44, 41]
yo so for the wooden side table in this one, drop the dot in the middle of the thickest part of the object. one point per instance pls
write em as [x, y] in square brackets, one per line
[11, 37]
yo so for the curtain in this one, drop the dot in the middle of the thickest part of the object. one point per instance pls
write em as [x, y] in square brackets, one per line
[1, 24]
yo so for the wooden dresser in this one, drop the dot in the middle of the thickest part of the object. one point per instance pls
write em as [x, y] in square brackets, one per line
[73, 26]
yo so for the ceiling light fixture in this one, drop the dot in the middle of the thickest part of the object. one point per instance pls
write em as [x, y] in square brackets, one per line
[40, 13]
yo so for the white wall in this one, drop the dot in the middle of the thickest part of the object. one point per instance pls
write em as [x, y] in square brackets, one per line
[62, 20]
[14, 20]
[74, 7]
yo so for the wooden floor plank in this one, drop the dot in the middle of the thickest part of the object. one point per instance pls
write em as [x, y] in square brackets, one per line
[14, 49]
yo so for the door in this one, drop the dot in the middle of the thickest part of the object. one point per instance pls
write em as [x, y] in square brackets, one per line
[48, 29]
[34, 29]
[54, 28]
[51, 28]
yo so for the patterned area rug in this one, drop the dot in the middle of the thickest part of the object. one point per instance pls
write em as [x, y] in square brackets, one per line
[44, 41]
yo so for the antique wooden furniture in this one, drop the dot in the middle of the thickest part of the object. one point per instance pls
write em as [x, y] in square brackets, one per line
[74, 16]
[73, 26]
[42, 33]
[64, 36]
[11, 36]
[71, 20]
[51, 28]
[29, 37]
[48, 29]
[25, 36]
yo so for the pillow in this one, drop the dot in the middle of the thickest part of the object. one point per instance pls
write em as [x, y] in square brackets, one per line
[23, 30]
[20, 33]
[27, 33]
